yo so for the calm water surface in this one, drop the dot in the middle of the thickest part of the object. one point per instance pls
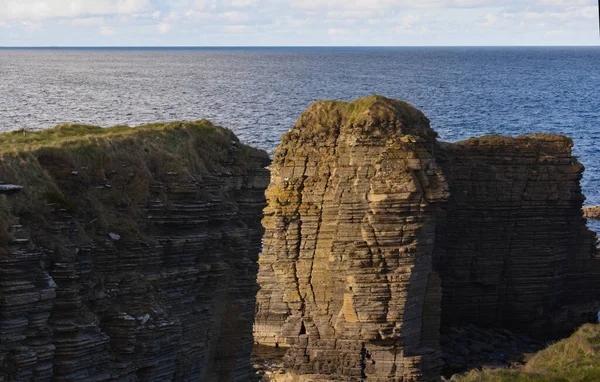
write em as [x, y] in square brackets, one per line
[259, 92]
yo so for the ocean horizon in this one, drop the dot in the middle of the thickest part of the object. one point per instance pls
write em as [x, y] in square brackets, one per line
[208, 47]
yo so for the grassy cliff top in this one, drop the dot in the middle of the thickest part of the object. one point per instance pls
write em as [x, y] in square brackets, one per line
[107, 175]
[374, 106]
[22, 140]
[371, 119]
[576, 358]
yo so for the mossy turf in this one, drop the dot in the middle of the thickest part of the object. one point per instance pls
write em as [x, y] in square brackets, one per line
[66, 134]
[102, 177]
[575, 359]
[370, 118]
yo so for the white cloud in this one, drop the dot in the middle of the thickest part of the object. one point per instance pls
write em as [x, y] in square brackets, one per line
[337, 32]
[300, 22]
[234, 17]
[88, 22]
[49, 9]
[199, 4]
[30, 25]
[235, 28]
[163, 28]
[490, 20]
[410, 19]
[571, 14]
[416, 4]
[355, 13]
[173, 16]
[387, 4]
[567, 3]
[240, 3]
[107, 32]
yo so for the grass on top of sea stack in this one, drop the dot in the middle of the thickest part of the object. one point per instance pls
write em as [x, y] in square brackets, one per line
[574, 359]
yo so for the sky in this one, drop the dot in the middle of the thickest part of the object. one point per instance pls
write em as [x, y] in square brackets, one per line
[298, 22]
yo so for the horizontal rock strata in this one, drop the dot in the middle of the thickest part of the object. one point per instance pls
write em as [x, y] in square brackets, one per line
[592, 212]
[346, 271]
[375, 232]
[129, 255]
[469, 347]
[514, 241]
[463, 348]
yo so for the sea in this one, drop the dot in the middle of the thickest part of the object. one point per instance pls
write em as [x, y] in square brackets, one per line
[260, 92]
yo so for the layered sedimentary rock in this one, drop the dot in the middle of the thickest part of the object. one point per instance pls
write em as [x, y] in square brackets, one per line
[592, 212]
[375, 232]
[129, 254]
[515, 250]
[346, 271]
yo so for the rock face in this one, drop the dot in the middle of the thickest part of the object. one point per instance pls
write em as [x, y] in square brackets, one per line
[514, 245]
[375, 232]
[130, 255]
[592, 212]
[470, 347]
[346, 271]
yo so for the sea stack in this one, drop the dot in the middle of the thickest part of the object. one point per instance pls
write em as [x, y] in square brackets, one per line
[377, 235]
[346, 272]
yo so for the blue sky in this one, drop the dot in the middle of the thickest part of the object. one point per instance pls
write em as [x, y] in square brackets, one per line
[297, 22]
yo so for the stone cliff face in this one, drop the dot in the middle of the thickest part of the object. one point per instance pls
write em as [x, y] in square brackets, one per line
[375, 232]
[346, 271]
[592, 212]
[515, 250]
[130, 254]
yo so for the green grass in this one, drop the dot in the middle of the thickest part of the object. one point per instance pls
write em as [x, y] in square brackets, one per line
[102, 177]
[575, 359]
[23, 140]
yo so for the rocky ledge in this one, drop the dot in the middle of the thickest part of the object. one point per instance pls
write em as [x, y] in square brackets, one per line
[379, 237]
[128, 254]
[463, 349]
[592, 212]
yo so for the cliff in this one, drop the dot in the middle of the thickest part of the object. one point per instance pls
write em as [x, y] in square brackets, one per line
[346, 271]
[514, 246]
[128, 254]
[377, 236]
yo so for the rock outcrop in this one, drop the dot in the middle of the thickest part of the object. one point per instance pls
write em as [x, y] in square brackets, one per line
[471, 347]
[346, 271]
[515, 251]
[129, 254]
[592, 212]
[375, 232]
